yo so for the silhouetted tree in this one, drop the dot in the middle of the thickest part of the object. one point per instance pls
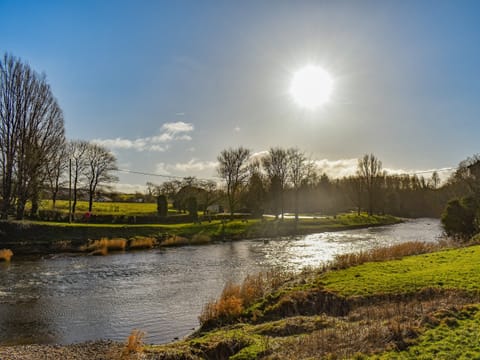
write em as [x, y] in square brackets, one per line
[99, 166]
[298, 170]
[369, 171]
[233, 170]
[276, 165]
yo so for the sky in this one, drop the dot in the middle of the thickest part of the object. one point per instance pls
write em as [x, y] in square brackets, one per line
[167, 85]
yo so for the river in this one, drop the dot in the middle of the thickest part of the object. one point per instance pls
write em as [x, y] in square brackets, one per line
[67, 299]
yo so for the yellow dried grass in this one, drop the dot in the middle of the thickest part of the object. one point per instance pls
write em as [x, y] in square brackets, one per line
[134, 344]
[6, 254]
[142, 243]
[105, 244]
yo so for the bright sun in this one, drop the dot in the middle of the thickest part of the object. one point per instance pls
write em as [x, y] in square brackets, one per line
[311, 87]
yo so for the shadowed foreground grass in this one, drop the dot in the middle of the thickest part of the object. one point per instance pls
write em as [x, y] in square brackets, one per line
[417, 306]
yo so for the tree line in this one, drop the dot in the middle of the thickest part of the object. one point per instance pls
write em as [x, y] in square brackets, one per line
[34, 153]
[286, 180]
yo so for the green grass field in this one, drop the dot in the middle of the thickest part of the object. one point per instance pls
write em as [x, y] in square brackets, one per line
[105, 208]
[449, 269]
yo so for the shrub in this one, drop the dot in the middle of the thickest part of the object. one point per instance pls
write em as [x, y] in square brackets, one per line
[459, 217]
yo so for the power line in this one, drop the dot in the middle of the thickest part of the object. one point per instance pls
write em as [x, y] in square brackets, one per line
[149, 174]
[433, 170]
[154, 174]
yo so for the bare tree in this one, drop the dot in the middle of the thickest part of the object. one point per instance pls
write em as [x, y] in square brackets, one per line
[77, 150]
[299, 169]
[435, 180]
[233, 169]
[10, 84]
[276, 166]
[55, 171]
[355, 191]
[32, 127]
[99, 164]
[370, 171]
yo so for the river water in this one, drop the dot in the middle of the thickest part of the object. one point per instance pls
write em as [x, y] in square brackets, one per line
[65, 299]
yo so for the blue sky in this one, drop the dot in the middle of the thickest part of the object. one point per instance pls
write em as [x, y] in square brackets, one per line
[167, 85]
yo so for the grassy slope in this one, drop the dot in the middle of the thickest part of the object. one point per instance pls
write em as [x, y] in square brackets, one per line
[456, 269]
[435, 323]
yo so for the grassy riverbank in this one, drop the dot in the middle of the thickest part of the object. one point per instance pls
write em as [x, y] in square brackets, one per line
[419, 304]
[42, 237]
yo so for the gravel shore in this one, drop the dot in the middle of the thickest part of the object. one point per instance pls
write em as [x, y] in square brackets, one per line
[97, 350]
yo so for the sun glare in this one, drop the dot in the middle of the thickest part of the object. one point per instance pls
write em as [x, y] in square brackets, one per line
[311, 87]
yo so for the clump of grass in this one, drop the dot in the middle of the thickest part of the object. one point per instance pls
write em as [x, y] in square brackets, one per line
[175, 240]
[142, 243]
[134, 344]
[102, 246]
[116, 244]
[200, 239]
[398, 251]
[6, 254]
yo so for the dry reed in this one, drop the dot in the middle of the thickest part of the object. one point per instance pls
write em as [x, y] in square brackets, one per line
[142, 243]
[381, 254]
[102, 246]
[236, 298]
[175, 240]
[5, 254]
[134, 344]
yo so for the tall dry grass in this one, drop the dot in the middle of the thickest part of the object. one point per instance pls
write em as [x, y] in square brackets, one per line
[134, 345]
[175, 240]
[5, 254]
[236, 298]
[381, 254]
[142, 243]
[102, 246]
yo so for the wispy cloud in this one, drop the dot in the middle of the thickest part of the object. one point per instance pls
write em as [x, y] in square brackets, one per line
[174, 131]
[194, 165]
[346, 167]
[177, 127]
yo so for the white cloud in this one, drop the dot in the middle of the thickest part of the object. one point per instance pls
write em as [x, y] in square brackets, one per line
[175, 131]
[237, 129]
[194, 165]
[177, 127]
[346, 167]
[337, 168]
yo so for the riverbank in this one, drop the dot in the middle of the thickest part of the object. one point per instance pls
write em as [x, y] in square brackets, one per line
[406, 302]
[98, 350]
[34, 237]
